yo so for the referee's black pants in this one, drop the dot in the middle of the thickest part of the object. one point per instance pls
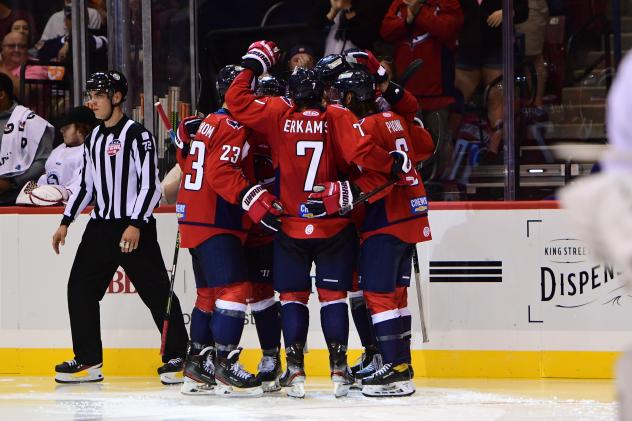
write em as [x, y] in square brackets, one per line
[98, 257]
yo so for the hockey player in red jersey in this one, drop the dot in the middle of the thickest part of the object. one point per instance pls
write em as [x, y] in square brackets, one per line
[391, 228]
[310, 144]
[213, 223]
[259, 250]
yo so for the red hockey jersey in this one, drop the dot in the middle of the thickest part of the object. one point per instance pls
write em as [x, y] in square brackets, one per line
[212, 178]
[261, 157]
[308, 147]
[403, 212]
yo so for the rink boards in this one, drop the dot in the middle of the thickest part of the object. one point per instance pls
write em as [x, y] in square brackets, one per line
[509, 291]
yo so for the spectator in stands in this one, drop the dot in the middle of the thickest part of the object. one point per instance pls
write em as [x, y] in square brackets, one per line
[26, 141]
[427, 30]
[101, 7]
[56, 25]
[480, 57]
[8, 16]
[14, 55]
[534, 29]
[58, 48]
[349, 23]
[62, 169]
[301, 55]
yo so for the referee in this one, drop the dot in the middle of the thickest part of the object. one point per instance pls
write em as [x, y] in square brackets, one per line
[120, 172]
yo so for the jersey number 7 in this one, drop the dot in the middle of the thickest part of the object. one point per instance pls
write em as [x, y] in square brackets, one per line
[301, 150]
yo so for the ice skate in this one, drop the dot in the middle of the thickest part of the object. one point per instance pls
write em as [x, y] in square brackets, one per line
[340, 373]
[373, 366]
[199, 371]
[293, 380]
[270, 371]
[233, 380]
[171, 372]
[73, 371]
[365, 359]
[390, 380]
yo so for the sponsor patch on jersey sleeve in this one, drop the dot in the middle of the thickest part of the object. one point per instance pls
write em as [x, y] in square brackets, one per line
[304, 212]
[418, 205]
[181, 210]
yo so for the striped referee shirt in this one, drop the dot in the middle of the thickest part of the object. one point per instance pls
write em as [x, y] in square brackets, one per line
[120, 170]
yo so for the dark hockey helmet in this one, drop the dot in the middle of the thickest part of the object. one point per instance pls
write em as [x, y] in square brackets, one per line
[111, 81]
[271, 86]
[303, 85]
[329, 67]
[225, 77]
[357, 81]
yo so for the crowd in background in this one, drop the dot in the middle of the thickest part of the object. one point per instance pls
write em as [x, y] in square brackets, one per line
[458, 41]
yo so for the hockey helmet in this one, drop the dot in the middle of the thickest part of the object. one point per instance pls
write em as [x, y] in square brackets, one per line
[111, 81]
[357, 81]
[304, 85]
[225, 77]
[271, 86]
[329, 67]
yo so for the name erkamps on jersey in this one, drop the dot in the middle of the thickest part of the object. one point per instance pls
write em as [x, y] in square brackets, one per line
[304, 126]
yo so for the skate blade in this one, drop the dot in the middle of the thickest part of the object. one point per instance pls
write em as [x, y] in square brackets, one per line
[270, 387]
[89, 375]
[227, 391]
[405, 388]
[296, 390]
[191, 387]
[171, 378]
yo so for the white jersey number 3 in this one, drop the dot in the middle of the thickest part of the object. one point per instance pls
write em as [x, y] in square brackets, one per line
[301, 150]
[191, 182]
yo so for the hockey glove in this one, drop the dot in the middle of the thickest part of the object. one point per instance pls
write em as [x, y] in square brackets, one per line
[401, 163]
[262, 207]
[331, 197]
[261, 56]
[367, 59]
[187, 129]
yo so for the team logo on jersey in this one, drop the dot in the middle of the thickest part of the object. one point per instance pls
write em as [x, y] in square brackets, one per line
[419, 205]
[387, 115]
[426, 231]
[311, 113]
[181, 210]
[52, 178]
[309, 230]
[8, 128]
[234, 124]
[113, 147]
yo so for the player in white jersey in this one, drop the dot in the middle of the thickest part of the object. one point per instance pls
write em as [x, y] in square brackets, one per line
[64, 163]
[601, 208]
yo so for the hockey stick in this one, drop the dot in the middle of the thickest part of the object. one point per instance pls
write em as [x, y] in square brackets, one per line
[422, 319]
[165, 323]
[409, 72]
[165, 120]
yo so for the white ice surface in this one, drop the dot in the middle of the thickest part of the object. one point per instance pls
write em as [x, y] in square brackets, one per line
[145, 399]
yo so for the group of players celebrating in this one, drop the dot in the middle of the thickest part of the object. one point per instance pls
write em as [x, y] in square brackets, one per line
[274, 183]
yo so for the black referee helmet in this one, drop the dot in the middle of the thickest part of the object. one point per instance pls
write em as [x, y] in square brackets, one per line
[111, 81]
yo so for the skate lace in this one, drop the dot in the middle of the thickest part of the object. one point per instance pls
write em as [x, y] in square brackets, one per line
[383, 370]
[175, 361]
[208, 362]
[376, 362]
[72, 363]
[267, 364]
[239, 371]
